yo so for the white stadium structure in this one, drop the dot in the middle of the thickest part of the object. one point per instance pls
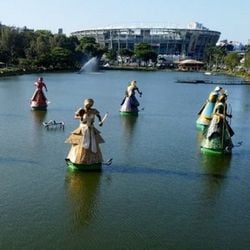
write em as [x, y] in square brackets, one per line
[187, 42]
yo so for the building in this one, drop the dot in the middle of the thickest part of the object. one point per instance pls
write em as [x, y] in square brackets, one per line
[187, 43]
[190, 65]
[231, 45]
[60, 31]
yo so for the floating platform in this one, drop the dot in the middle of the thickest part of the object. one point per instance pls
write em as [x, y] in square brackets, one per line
[84, 167]
[201, 81]
[215, 151]
[192, 81]
[129, 113]
[37, 108]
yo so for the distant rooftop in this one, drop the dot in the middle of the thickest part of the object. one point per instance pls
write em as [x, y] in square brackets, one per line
[191, 25]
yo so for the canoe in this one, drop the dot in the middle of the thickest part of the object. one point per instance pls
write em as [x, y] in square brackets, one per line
[84, 167]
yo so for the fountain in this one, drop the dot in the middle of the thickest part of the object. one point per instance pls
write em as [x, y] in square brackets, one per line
[90, 66]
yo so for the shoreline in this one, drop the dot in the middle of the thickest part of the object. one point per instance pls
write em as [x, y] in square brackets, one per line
[16, 71]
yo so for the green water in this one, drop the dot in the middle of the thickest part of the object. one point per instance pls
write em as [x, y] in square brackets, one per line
[159, 193]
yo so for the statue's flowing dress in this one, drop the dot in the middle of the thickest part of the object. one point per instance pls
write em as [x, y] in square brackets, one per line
[85, 141]
[130, 102]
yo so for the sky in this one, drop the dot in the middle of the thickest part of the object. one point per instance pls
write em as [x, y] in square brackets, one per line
[231, 18]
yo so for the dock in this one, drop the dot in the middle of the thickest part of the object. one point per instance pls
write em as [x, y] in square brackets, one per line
[201, 81]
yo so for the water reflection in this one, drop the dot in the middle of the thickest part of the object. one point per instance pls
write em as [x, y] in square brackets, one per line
[38, 117]
[129, 137]
[216, 166]
[82, 190]
[129, 125]
[36, 131]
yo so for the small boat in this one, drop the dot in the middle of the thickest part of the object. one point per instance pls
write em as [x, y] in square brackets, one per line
[53, 124]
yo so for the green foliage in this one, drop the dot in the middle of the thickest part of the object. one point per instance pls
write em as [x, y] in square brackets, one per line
[247, 48]
[111, 55]
[232, 60]
[247, 60]
[126, 52]
[42, 49]
[87, 40]
[61, 57]
[141, 50]
[89, 48]
[144, 52]
[214, 56]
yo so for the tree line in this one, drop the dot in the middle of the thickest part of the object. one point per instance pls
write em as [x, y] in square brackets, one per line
[225, 58]
[40, 49]
[30, 49]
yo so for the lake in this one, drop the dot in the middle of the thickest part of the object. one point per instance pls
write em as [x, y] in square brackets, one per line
[160, 192]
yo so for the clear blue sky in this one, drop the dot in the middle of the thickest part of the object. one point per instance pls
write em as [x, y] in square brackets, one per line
[231, 18]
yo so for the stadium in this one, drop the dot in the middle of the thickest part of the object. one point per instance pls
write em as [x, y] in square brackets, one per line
[186, 43]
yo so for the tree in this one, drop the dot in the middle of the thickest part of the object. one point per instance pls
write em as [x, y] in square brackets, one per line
[8, 44]
[247, 60]
[111, 55]
[40, 49]
[214, 56]
[61, 57]
[64, 46]
[232, 60]
[144, 52]
[88, 46]
[219, 55]
[126, 52]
